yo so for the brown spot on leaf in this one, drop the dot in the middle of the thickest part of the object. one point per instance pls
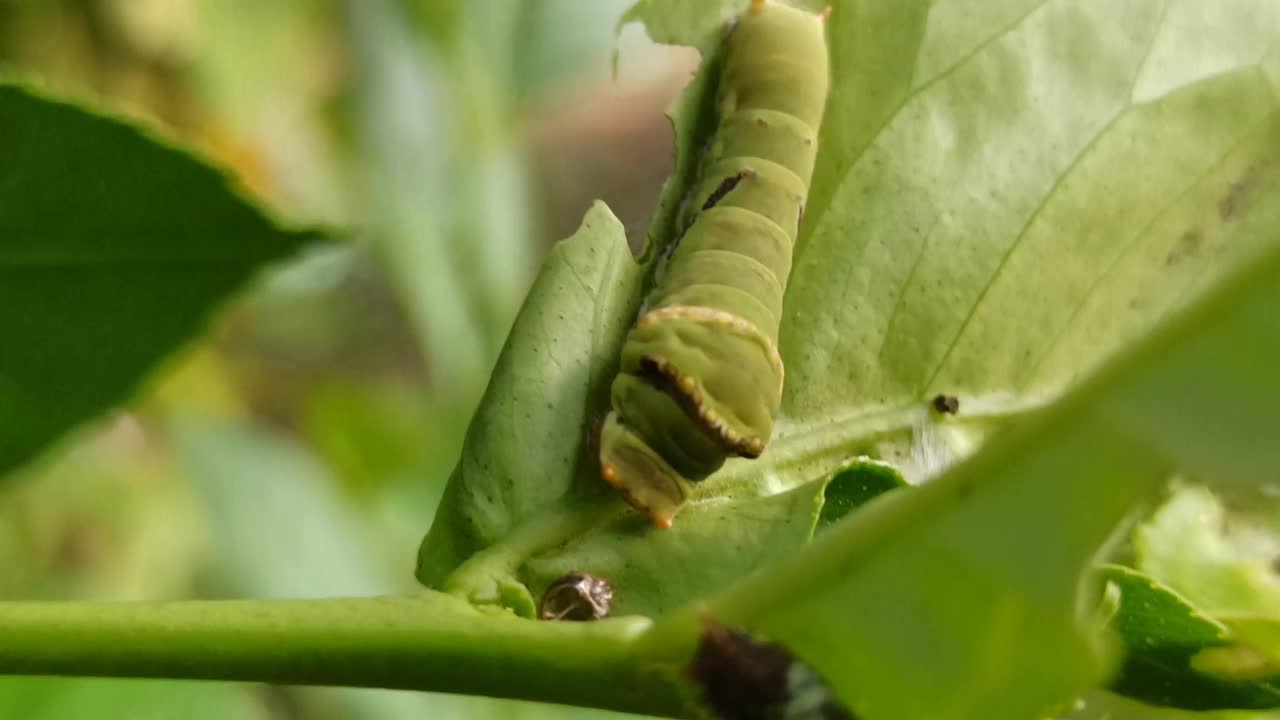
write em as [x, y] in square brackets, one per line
[1188, 243]
[1238, 193]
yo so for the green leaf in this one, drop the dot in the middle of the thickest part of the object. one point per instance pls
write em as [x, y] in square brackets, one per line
[1223, 559]
[712, 545]
[115, 248]
[1167, 644]
[991, 217]
[655, 573]
[952, 600]
[525, 444]
[1218, 559]
[853, 485]
[959, 599]
[1053, 177]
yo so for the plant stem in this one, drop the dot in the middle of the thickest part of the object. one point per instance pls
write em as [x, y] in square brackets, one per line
[431, 642]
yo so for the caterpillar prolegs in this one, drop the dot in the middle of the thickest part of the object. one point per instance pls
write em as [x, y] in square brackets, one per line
[700, 377]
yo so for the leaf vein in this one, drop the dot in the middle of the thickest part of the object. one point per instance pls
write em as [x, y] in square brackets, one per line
[1017, 242]
[917, 92]
[1129, 246]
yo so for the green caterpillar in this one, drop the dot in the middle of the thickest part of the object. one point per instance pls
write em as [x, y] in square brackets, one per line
[700, 376]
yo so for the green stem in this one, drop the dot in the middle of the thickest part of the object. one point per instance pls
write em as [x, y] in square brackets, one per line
[432, 642]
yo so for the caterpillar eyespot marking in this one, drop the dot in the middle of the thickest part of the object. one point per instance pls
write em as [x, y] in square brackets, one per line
[700, 377]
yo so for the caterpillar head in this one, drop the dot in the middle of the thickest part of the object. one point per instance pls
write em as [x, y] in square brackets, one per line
[639, 473]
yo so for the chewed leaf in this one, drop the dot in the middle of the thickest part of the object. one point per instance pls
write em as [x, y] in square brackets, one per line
[1177, 655]
[679, 22]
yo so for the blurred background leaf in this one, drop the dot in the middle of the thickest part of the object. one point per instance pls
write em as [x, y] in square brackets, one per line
[116, 247]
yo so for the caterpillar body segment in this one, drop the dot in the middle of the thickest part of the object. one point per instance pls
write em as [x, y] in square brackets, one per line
[700, 377]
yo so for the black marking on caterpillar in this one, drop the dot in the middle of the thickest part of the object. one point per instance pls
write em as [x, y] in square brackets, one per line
[726, 186]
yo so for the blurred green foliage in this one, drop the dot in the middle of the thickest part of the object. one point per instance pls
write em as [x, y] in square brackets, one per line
[336, 394]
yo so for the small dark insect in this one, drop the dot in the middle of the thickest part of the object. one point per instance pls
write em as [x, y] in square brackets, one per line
[743, 678]
[946, 404]
[577, 596]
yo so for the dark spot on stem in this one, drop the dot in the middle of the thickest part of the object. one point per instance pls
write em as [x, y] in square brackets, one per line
[743, 678]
